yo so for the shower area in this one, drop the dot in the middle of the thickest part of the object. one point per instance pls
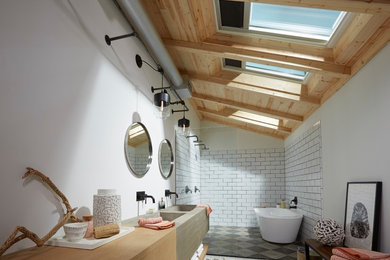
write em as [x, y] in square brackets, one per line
[234, 180]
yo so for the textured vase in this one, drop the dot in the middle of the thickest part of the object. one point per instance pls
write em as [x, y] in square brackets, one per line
[106, 208]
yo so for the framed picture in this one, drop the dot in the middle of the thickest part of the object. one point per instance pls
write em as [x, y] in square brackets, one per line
[362, 211]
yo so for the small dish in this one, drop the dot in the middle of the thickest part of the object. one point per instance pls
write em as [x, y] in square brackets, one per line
[75, 231]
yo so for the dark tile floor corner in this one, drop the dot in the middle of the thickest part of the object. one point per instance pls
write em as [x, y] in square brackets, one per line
[246, 242]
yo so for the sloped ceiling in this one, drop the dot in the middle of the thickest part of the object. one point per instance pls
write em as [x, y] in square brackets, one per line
[189, 31]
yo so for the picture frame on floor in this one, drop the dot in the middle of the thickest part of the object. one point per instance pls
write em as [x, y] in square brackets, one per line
[362, 210]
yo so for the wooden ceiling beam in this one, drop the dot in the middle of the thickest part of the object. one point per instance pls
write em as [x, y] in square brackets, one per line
[272, 92]
[193, 104]
[279, 46]
[243, 126]
[225, 51]
[362, 27]
[247, 107]
[229, 115]
[356, 6]
[377, 41]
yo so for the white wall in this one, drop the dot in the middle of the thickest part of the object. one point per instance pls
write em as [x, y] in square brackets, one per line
[66, 100]
[355, 139]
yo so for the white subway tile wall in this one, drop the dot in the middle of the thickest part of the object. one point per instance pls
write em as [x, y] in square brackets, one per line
[235, 181]
[187, 170]
[304, 177]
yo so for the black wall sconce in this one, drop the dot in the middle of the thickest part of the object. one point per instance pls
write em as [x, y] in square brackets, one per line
[162, 99]
[183, 123]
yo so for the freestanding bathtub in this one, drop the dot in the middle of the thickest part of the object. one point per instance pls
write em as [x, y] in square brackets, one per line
[278, 225]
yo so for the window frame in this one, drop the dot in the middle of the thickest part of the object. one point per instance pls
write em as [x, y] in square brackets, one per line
[268, 34]
[243, 69]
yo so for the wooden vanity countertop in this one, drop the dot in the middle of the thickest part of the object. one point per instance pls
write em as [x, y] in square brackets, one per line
[140, 244]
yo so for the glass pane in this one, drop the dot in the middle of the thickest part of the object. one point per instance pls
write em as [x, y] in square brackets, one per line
[295, 20]
[291, 73]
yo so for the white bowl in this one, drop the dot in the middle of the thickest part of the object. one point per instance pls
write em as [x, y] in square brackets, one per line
[75, 231]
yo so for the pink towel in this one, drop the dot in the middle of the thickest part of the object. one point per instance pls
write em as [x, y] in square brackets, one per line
[162, 225]
[143, 221]
[208, 208]
[155, 223]
[358, 254]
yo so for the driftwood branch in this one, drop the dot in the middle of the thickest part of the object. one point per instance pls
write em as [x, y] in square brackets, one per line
[25, 233]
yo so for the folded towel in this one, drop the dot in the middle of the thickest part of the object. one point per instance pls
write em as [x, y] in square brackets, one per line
[155, 223]
[143, 221]
[208, 208]
[359, 254]
[162, 225]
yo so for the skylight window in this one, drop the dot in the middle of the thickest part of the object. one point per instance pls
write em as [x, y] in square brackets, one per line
[266, 70]
[312, 25]
[276, 71]
[255, 119]
[294, 21]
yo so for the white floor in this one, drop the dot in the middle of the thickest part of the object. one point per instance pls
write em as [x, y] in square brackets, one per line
[214, 257]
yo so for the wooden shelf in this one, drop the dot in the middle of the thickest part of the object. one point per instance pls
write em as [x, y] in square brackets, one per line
[204, 252]
[141, 244]
[324, 251]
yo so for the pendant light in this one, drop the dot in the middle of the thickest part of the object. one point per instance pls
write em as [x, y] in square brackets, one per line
[184, 124]
[161, 101]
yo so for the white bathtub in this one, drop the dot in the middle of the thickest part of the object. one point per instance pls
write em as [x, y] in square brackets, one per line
[278, 225]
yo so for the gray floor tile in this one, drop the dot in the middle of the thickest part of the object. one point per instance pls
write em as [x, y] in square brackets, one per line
[244, 242]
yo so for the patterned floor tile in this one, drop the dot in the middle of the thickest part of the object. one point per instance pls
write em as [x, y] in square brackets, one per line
[244, 242]
[288, 258]
[286, 251]
[271, 254]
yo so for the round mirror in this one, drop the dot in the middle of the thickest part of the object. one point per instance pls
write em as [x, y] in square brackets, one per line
[165, 158]
[138, 149]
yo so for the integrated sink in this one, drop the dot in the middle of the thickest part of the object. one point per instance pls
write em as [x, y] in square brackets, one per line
[180, 208]
[170, 216]
[191, 223]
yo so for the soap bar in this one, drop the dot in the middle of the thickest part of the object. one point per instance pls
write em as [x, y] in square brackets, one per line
[106, 231]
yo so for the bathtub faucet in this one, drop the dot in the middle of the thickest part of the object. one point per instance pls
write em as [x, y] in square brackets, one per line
[294, 203]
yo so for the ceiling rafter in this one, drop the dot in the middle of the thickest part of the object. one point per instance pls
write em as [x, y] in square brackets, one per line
[227, 114]
[377, 41]
[247, 107]
[356, 35]
[293, 48]
[197, 48]
[275, 93]
[357, 6]
[225, 51]
[244, 126]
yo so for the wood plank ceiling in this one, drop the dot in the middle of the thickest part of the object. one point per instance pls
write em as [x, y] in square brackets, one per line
[189, 31]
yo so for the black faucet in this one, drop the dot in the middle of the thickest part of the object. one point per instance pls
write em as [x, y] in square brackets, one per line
[142, 196]
[196, 189]
[168, 193]
[187, 189]
[294, 203]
